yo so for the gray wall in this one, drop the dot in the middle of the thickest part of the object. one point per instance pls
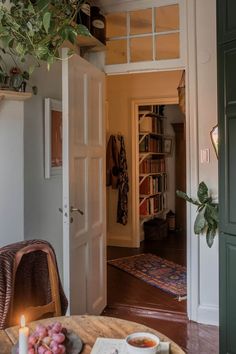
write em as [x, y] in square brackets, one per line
[11, 176]
[42, 197]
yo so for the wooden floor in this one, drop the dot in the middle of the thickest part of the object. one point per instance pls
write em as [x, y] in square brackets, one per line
[133, 299]
[136, 292]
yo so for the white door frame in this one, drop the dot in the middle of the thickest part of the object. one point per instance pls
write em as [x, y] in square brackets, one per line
[192, 168]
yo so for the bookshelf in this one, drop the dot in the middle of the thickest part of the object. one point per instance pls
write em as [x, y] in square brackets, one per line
[152, 166]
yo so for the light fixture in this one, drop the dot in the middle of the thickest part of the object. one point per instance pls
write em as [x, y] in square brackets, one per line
[215, 138]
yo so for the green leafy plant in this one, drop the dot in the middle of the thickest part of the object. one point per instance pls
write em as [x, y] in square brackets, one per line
[207, 219]
[37, 29]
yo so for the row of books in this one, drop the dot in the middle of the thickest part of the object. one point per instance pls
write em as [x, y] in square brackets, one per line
[150, 144]
[150, 124]
[152, 166]
[151, 205]
[153, 184]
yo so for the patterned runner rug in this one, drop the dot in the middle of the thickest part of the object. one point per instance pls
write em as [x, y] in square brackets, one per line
[159, 272]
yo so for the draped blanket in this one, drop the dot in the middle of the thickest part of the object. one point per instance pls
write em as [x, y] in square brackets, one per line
[32, 285]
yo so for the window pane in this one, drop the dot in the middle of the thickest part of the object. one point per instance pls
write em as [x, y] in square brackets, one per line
[141, 21]
[167, 18]
[116, 24]
[141, 49]
[167, 46]
[116, 52]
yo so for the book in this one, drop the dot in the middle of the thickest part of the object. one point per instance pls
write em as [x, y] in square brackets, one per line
[118, 346]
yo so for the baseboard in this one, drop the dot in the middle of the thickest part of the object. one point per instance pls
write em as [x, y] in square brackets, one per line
[208, 315]
[113, 240]
[142, 311]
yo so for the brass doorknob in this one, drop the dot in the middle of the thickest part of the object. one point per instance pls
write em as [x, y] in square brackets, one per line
[72, 209]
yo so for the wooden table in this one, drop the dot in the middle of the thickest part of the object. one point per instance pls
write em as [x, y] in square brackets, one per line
[88, 328]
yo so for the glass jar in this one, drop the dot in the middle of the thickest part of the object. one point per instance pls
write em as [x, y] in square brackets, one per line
[98, 24]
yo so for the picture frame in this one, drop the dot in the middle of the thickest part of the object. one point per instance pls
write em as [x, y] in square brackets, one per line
[52, 137]
[168, 145]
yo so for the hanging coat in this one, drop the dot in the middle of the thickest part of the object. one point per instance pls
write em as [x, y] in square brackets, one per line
[112, 163]
[123, 185]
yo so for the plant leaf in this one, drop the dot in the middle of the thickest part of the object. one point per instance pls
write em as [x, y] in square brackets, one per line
[200, 222]
[210, 235]
[202, 192]
[46, 21]
[187, 198]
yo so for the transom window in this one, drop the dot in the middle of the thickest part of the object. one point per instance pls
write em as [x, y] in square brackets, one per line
[143, 35]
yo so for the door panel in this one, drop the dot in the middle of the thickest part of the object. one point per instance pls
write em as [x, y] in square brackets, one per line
[80, 195]
[226, 20]
[84, 186]
[96, 297]
[227, 172]
[96, 192]
[227, 301]
[95, 112]
[227, 128]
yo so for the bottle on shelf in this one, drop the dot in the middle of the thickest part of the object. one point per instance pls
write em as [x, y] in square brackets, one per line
[98, 24]
[84, 15]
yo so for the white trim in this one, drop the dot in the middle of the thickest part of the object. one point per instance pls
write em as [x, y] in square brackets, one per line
[145, 66]
[208, 315]
[138, 5]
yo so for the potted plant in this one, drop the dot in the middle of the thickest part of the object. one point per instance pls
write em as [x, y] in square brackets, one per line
[207, 219]
[34, 31]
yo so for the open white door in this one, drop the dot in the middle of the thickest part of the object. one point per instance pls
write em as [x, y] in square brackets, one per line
[84, 236]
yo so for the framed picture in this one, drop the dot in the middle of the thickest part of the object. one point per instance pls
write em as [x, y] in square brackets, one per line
[168, 145]
[53, 137]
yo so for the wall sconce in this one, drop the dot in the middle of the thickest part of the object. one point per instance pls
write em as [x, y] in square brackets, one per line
[215, 139]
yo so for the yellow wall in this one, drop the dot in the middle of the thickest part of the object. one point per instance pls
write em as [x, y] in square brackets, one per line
[121, 90]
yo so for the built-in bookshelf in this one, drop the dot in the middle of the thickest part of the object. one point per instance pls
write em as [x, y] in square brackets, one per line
[152, 166]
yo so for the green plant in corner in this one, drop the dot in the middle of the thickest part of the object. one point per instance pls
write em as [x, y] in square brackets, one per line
[207, 219]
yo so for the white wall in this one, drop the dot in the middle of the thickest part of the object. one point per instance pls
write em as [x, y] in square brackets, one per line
[12, 174]
[42, 197]
[173, 115]
[203, 116]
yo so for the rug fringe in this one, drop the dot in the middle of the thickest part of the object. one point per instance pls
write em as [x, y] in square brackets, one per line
[181, 298]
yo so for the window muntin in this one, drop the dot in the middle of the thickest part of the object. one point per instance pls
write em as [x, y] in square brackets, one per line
[151, 34]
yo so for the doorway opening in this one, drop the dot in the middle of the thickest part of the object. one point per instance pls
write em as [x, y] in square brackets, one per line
[144, 109]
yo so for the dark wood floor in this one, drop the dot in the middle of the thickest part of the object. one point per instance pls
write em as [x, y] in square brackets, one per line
[133, 299]
[136, 292]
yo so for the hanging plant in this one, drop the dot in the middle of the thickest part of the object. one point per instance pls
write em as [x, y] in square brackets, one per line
[207, 219]
[37, 29]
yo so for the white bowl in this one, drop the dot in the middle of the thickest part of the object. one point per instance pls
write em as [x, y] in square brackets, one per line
[132, 349]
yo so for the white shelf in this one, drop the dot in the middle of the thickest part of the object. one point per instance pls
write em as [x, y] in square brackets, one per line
[151, 174]
[90, 43]
[145, 200]
[144, 155]
[147, 196]
[14, 95]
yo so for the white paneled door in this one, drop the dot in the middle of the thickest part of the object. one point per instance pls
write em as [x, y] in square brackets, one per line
[84, 209]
